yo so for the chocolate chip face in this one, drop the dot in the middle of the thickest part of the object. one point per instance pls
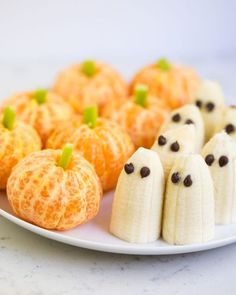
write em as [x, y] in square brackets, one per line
[175, 146]
[176, 118]
[189, 121]
[162, 140]
[144, 172]
[210, 106]
[223, 161]
[175, 177]
[188, 181]
[229, 128]
[129, 168]
[198, 103]
[209, 159]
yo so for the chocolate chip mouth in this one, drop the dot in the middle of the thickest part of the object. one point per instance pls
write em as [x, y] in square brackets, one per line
[189, 121]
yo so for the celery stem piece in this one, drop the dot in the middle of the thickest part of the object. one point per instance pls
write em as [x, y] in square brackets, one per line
[89, 68]
[40, 95]
[90, 116]
[9, 116]
[66, 155]
[141, 93]
[163, 64]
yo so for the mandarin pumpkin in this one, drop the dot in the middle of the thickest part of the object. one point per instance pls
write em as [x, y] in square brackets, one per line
[90, 83]
[102, 142]
[17, 140]
[175, 84]
[141, 116]
[41, 109]
[54, 189]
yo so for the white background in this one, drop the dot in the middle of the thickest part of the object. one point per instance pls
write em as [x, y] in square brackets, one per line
[117, 29]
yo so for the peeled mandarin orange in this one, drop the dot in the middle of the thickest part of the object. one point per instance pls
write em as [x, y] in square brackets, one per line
[17, 140]
[41, 109]
[141, 115]
[176, 84]
[90, 83]
[102, 142]
[52, 193]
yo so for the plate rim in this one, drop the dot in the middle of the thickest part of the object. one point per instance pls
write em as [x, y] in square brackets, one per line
[129, 249]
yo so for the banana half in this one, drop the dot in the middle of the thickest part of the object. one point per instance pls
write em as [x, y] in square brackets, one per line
[137, 205]
[220, 156]
[173, 143]
[189, 202]
[186, 115]
[227, 122]
[210, 101]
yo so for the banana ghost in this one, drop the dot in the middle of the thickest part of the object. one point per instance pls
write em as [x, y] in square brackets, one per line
[186, 115]
[137, 205]
[173, 143]
[220, 156]
[210, 101]
[228, 122]
[189, 202]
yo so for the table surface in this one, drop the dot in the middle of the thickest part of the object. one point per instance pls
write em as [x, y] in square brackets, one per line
[33, 265]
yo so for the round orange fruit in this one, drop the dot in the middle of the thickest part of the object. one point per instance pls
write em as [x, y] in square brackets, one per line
[41, 109]
[54, 189]
[90, 83]
[17, 140]
[141, 116]
[175, 84]
[102, 142]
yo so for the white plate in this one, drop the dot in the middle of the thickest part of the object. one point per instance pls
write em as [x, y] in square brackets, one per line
[95, 235]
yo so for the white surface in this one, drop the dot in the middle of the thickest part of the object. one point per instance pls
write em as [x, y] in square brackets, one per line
[95, 234]
[32, 265]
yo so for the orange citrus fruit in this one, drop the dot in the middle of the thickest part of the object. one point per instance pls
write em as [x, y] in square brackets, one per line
[44, 193]
[42, 115]
[175, 84]
[90, 83]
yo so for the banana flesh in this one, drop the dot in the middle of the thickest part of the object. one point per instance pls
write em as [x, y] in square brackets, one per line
[137, 205]
[189, 202]
[220, 154]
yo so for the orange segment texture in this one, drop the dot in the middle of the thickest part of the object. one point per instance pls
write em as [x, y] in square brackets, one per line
[45, 194]
[175, 86]
[81, 91]
[14, 145]
[43, 117]
[142, 124]
[107, 147]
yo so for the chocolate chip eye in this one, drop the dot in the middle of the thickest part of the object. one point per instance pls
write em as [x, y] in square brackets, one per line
[189, 121]
[161, 140]
[188, 181]
[210, 106]
[175, 177]
[198, 103]
[209, 159]
[144, 172]
[223, 161]
[176, 118]
[175, 146]
[232, 106]
[229, 128]
[129, 168]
